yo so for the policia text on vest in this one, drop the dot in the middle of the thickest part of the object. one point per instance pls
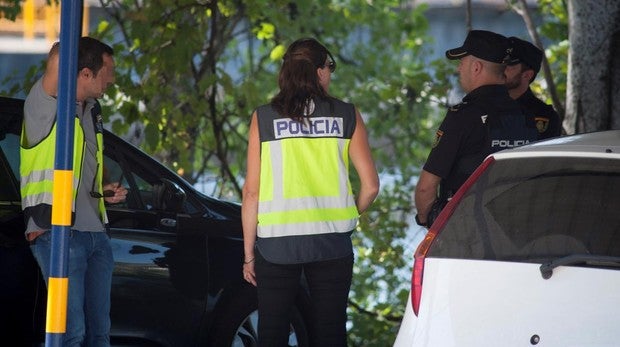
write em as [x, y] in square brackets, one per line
[311, 127]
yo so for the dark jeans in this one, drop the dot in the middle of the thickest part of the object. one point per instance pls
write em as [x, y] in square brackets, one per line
[329, 283]
[90, 279]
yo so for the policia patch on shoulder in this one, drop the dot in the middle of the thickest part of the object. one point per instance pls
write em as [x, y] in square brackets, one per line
[438, 136]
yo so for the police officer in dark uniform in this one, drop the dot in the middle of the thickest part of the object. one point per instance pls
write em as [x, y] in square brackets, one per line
[520, 72]
[487, 120]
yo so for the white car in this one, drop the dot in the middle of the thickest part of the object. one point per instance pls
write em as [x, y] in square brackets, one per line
[527, 253]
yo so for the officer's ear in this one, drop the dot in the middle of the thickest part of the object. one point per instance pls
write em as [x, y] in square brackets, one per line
[476, 66]
[528, 75]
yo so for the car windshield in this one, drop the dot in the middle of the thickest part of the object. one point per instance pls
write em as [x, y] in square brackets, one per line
[537, 209]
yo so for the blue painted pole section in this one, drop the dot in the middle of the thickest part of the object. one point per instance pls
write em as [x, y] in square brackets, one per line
[70, 29]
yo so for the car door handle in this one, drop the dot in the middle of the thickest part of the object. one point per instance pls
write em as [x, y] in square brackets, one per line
[168, 222]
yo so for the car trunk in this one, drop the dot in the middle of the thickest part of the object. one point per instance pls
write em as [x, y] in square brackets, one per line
[513, 305]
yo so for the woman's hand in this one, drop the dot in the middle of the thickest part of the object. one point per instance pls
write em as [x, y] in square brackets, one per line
[248, 271]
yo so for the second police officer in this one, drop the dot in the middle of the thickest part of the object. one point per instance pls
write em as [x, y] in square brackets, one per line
[487, 120]
[520, 72]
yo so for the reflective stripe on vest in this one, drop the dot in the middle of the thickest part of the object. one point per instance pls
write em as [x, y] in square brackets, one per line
[101, 205]
[292, 201]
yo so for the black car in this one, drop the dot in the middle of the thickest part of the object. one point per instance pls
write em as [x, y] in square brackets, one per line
[178, 257]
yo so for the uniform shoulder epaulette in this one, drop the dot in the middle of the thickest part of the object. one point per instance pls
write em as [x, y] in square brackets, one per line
[458, 107]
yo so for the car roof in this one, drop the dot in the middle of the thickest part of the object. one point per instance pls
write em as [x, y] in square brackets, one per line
[604, 144]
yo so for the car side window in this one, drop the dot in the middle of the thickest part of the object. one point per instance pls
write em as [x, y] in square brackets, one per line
[11, 219]
[140, 191]
[8, 192]
[9, 170]
[10, 147]
[146, 179]
[535, 209]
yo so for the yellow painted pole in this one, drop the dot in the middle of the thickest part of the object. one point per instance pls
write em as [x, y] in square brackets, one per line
[28, 11]
[52, 21]
[62, 200]
[85, 20]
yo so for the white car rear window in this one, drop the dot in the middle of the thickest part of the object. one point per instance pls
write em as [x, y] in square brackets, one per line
[536, 209]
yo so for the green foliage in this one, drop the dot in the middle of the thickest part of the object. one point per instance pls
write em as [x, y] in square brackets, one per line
[555, 23]
[190, 73]
[15, 86]
[554, 28]
[9, 9]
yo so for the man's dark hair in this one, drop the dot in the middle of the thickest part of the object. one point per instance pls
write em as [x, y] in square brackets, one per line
[90, 54]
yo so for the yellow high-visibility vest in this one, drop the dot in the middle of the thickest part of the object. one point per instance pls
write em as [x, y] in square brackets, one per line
[304, 177]
[37, 168]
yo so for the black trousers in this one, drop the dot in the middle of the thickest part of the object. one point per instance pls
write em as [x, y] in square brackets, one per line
[329, 283]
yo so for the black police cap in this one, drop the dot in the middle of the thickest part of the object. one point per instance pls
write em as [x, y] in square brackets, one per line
[483, 44]
[526, 53]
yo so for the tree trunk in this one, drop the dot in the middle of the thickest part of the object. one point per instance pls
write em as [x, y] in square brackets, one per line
[615, 76]
[592, 94]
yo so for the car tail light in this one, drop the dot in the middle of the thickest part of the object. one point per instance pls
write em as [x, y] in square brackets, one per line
[418, 271]
[417, 275]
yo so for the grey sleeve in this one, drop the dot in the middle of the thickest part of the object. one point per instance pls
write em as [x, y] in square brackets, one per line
[39, 114]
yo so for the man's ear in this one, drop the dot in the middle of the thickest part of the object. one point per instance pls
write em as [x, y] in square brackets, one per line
[527, 75]
[85, 72]
[476, 66]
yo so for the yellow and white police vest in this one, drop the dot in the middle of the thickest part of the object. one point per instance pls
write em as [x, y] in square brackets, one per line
[304, 173]
[37, 171]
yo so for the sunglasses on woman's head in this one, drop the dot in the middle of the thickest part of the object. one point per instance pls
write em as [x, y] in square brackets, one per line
[331, 65]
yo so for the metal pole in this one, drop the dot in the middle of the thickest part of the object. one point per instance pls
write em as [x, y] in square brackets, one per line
[62, 201]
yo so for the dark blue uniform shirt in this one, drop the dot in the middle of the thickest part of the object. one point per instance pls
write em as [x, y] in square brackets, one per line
[544, 116]
[486, 121]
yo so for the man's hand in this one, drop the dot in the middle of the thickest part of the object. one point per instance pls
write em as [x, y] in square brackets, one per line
[50, 78]
[114, 193]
